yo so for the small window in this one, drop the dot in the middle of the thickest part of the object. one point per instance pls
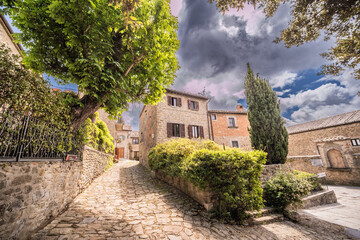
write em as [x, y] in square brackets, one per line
[176, 130]
[192, 105]
[235, 144]
[174, 101]
[355, 142]
[195, 131]
[135, 141]
[119, 120]
[231, 122]
[213, 116]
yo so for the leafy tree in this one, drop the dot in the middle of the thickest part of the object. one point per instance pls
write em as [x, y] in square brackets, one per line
[267, 130]
[116, 52]
[339, 19]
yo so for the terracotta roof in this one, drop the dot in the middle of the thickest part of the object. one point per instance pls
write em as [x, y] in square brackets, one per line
[226, 112]
[342, 119]
[186, 94]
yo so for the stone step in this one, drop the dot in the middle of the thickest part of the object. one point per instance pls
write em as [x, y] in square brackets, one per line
[267, 219]
[263, 212]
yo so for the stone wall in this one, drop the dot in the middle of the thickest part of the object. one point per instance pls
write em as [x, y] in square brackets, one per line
[269, 171]
[110, 123]
[32, 193]
[303, 143]
[7, 39]
[147, 132]
[347, 176]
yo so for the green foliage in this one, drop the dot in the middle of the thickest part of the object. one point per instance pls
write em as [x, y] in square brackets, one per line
[311, 178]
[233, 175]
[285, 189]
[95, 134]
[25, 92]
[169, 156]
[113, 51]
[310, 19]
[267, 131]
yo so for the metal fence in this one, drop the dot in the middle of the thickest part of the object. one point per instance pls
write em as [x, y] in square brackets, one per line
[24, 138]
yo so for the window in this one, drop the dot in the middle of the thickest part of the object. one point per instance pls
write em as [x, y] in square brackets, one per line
[135, 141]
[174, 101]
[176, 130]
[213, 116]
[118, 136]
[231, 122]
[193, 105]
[355, 142]
[235, 144]
[119, 120]
[195, 131]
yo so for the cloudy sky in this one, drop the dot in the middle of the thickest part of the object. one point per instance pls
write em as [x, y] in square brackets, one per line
[214, 50]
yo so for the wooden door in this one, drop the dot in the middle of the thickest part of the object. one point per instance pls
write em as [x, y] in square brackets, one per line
[119, 152]
[336, 159]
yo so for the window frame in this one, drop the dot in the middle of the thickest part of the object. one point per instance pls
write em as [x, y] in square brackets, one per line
[213, 115]
[355, 142]
[233, 122]
[195, 131]
[234, 141]
[175, 130]
[134, 142]
[174, 100]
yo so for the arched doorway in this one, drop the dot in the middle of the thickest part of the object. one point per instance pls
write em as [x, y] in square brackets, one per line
[336, 159]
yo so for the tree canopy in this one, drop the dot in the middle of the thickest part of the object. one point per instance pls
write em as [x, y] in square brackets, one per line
[116, 52]
[339, 19]
[267, 131]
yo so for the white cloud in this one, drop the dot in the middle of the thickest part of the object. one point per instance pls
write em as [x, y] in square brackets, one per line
[282, 79]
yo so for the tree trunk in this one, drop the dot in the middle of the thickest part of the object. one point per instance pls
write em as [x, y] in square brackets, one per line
[80, 114]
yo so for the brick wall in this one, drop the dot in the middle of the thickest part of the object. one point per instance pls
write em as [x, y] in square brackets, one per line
[223, 134]
[32, 193]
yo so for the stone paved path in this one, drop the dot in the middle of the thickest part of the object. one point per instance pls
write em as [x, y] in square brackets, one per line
[128, 203]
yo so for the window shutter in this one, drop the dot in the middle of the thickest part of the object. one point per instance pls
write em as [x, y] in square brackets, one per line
[190, 131]
[189, 102]
[182, 130]
[197, 106]
[169, 129]
[201, 132]
[169, 101]
[179, 102]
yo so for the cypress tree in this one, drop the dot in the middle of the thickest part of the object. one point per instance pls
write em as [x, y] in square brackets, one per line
[267, 130]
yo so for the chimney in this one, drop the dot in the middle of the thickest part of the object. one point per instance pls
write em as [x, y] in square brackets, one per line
[239, 108]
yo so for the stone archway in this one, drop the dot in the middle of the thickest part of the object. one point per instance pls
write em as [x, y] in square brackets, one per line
[336, 159]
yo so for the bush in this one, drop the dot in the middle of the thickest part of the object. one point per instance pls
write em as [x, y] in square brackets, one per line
[312, 178]
[233, 175]
[96, 134]
[285, 189]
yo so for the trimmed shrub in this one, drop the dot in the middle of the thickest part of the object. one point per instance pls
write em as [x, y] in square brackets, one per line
[312, 178]
[285, 189]
[233, 175]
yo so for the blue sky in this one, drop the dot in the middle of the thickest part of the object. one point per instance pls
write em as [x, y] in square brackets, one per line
[214, 50]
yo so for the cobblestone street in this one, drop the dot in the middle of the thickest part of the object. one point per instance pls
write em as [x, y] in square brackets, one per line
[126, 202]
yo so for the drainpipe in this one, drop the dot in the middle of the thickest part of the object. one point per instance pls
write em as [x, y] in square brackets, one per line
[209, 121]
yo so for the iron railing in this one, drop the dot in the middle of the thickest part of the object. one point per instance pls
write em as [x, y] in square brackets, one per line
[24, 137]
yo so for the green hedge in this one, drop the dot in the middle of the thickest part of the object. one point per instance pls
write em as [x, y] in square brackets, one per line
[233, 175]
[286, 188]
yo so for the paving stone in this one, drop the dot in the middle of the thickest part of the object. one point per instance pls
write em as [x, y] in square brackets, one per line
[127, 202]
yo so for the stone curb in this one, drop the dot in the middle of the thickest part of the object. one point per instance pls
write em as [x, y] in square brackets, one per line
[319, 225]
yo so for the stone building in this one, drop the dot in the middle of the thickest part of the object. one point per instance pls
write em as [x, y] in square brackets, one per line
[180, 114]
[126, 141]
[6, 37]
[230, 128]
[330, 145]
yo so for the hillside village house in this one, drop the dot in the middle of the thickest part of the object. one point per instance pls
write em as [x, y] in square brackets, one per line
[230, 128]
[330, 145]
[186, 115]
[6, 37]
[126, 141]
[180, 115]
